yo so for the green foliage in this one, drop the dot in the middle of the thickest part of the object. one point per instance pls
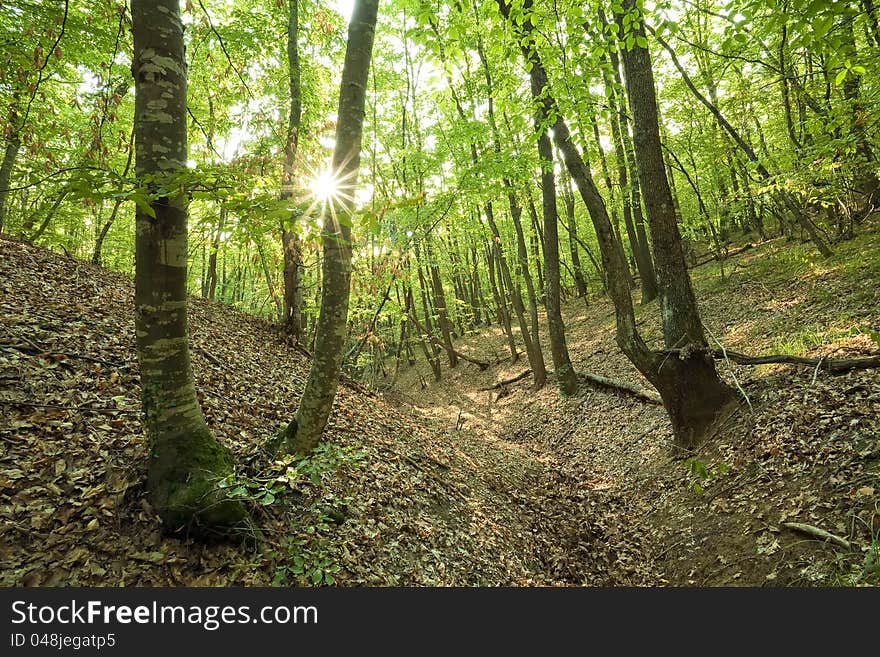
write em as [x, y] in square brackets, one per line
[701, 473]
[308, 561]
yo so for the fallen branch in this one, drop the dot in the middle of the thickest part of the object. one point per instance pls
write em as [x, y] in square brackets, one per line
[642, 393]
[818, 533]
[834, 365]
[505, 382]
[37, 350]
[209, 356]
[724, 256]
[93, 409]
[483, 365]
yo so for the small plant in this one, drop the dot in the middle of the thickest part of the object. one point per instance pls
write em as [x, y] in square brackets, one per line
[291, 473]
[308, 561]
[703, 473]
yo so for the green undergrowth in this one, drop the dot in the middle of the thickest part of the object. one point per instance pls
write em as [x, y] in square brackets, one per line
[302, 556]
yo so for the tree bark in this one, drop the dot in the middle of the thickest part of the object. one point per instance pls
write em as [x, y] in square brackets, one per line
[304, 432]
[186, 462]
[291, 316]
[10, 153]
[691, 389]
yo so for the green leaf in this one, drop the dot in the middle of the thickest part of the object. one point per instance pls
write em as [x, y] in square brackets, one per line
[642, 42]
[840, 77]
[317, 576]
[140, 200]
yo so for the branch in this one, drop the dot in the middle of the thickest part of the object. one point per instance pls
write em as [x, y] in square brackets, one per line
[505, 382]
[93, 409]
[818, 533]
[642, 393]
[829, 364]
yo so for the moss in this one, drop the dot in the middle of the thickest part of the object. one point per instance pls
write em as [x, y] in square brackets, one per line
[283, 441]
[183, 481]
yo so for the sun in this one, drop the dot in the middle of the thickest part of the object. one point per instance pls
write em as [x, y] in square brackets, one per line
[325, 186]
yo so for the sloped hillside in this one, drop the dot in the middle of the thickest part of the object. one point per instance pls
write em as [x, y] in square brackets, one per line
[460, 482]
[804, 448]
[391, 502]
[399, 509]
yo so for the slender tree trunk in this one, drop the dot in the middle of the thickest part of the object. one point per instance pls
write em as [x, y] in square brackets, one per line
[566, 377]
[440, 306]
[186, 462]
[580, 281]
[211, 287]
[537, 244]
[304, 432]
[500, 302]
[99, 241]
[536, 358]
[10, 153]
[291, 316]
[267, 274]
[866, 179]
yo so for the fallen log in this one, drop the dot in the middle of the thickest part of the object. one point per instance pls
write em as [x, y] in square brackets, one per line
[505, 382]
[724, 256]
[642, 393]
[833, 365]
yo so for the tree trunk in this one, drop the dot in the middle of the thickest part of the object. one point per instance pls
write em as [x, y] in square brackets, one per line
[304, 433]
[580, 282]
[500, 302]
[536, 358]
[10, 153]
[186, 462]
[291, 316]
[440, 306]
[691, 389]
[632, 204]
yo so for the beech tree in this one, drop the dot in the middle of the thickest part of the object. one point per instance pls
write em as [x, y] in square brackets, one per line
[186, 461]
[304, 432]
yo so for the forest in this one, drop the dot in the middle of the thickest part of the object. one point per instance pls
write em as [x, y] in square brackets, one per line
[422, 293]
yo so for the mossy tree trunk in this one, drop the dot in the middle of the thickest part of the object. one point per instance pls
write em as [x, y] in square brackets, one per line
[185, 461]
[304, 432]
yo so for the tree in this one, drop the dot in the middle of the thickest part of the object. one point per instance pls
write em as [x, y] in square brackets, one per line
[293, 299]
[185, 462]
[304, 432]
[692, 392]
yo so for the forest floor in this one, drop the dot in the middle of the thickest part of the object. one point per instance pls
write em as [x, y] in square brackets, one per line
[450, 484]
